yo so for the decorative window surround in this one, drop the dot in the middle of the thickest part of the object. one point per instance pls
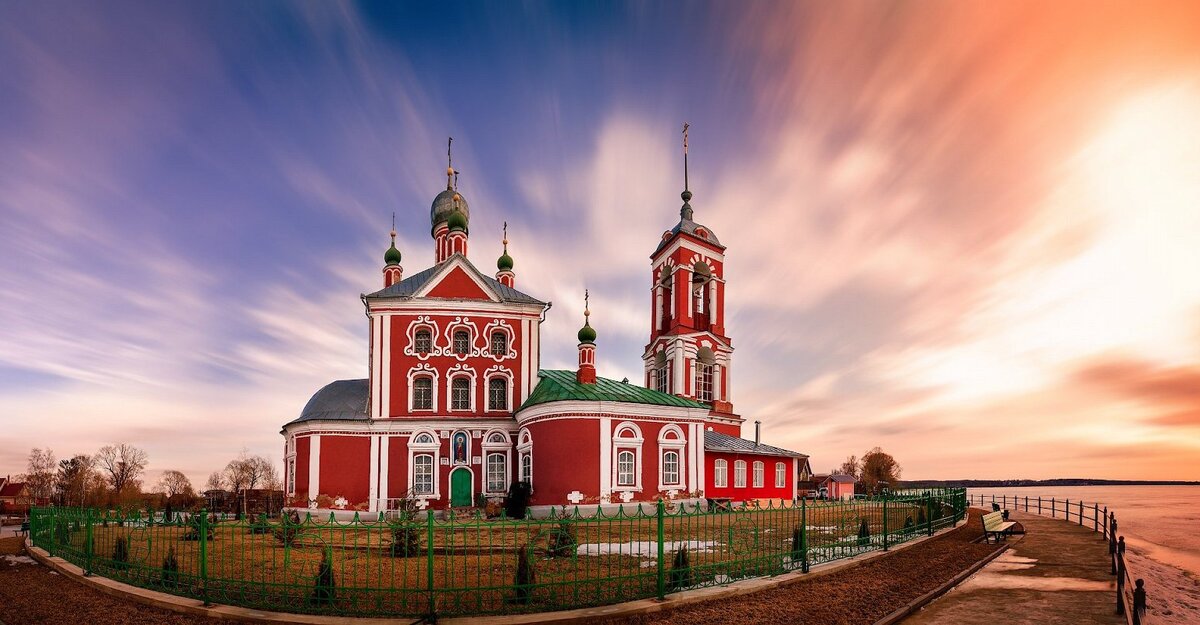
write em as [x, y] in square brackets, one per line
[627, 437]
[720, 473]
[462, 323]
[759, 477]
[739, 474]
[501, 325]
[672, 439]
[499, 372]
[525, 450]
[460, 371]
[422, 322]
[425, 442]
[423, 370]
[497, 442]
[780, 475]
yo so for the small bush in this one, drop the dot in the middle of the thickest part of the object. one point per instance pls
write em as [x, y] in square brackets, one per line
[562, 540]
[170, 569]
[864, 533]
[797, 545]
[908, 524]
[517, 502]
[525, 578]
[324, 586]
[167, 513]
[260, 525]
[193, 530]
[288, 533]
[406, 539]
[62, 532]
[921, 516]
[681, 571]
[120, 554]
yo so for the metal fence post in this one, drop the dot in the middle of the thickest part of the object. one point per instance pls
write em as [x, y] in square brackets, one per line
[1080, 513]
[1139, 601]
[1095, 517]
[803, 535]
[1121, 576]
[1052, 506]
[929, 511]
[90, 545]
[662, 582]
[1105, 521]
[429, 562]
[1039, 505]
[885, 523]
[203, 527]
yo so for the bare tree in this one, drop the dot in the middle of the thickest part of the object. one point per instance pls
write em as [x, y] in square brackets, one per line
[850, 467]
[879, 470]
[74, 478]
[246, 473]
[216, 481]
[175, 483]
[123, 463]
[39, 476]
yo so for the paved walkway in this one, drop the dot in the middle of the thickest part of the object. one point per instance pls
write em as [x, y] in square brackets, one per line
[1057, 573]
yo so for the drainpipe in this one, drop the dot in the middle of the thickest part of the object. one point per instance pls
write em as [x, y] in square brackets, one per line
[757, 432]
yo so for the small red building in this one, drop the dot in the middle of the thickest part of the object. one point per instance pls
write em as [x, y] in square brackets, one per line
[456, 406]
[837, 486]
[14, 496]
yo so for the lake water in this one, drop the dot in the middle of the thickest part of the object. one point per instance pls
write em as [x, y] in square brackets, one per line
[1160, 522]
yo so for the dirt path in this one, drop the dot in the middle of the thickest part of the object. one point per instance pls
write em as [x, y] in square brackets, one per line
[1058, 573]
[855, 596]
[32, 593]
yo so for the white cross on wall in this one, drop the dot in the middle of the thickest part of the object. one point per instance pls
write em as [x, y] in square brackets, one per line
[422, 504]
[626, 496]
[575, 497]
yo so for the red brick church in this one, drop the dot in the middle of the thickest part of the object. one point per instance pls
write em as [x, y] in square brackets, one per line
[456, 408]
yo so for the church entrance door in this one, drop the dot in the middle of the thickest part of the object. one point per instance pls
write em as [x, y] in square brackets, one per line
[460, 488]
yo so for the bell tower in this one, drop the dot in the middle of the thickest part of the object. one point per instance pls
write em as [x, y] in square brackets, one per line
[689, 353]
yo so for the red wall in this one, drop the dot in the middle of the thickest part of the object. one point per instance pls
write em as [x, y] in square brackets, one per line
[303, 445]
[346, 467]
[457, 284]
[566, 457]
[768, 491]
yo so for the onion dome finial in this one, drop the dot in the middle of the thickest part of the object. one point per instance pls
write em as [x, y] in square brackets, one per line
[686, 211]
[505, 262]
[587, 334]
[392, 255]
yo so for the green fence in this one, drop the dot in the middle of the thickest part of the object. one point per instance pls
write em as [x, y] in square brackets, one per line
[474, 566]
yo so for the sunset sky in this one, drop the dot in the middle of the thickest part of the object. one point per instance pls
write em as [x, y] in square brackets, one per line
[967, 232]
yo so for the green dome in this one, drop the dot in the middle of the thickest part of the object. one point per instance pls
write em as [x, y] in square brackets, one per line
[587, 334]
[457, 221]
[505, 263]
[392, 255]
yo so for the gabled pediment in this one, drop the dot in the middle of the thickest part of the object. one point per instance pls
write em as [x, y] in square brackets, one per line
[458, 279]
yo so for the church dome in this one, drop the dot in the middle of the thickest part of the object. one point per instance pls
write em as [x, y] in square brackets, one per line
[457, 221]
[505, 262]
[443, 206]
[392, 255]
[587, 334]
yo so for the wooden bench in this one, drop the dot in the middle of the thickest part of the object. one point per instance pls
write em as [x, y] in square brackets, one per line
[995, 525]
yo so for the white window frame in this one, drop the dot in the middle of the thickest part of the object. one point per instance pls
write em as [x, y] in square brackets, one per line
[434, 448]
[760, 471]
[632, 463]
[672, 438]
[632, 444]
[662, 378]
[422, 322]
[465, 325]
[739, 473]
[703, 390]
[525, 450]
[416, 481]
[461, 371]
[500, 325]
[720, 473]
[780, 475]
[671, 456]
[423, 370]
[492, 342]
[487, 471]
[417, 340]
[491, 374]
[503, 446]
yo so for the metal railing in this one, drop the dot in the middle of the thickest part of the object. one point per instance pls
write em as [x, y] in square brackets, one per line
[423, 566]
[1131, 593]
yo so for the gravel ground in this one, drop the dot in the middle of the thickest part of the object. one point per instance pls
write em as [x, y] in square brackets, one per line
[858, 596]
[32, 593]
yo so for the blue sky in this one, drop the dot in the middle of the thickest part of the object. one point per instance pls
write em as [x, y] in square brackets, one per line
[917, 199]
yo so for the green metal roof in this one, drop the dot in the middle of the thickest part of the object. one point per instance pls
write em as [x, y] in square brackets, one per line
[560, 385]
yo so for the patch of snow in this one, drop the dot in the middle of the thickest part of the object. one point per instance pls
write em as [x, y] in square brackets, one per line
[11, 559]
[643, 549]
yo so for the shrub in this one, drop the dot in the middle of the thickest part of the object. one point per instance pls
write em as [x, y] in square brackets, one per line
[287, 532]
[517, 501]
[562, 540]
[62, 532]
[260, 525]
[864, 533]
[797, 545]
[120, 554]
[681, 571]
[921, 516]
[908, 524]
[324, 586]
[170, 569]
[193, 530]
[167, 512]
[406, 539]
[525, 578]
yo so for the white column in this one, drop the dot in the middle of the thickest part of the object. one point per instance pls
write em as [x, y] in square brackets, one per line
[373, 486]
[678, 371]
[712, 300]
[376, 369]
[716, 390]
[386, 400]
[658, 307]
[527, 376]
[314, 466]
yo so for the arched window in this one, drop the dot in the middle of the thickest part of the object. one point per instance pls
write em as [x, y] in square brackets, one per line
[739, 474]
[423, 474]
[625, 466]
[701, 283]
[527, 467]
[462, 342]
[460, 393]
[662, 373]
[423, 439]
[498, 393]
[720, 473]
[422, 398]
[671, 468]
[496, 437]
[499, 343]
[496, 472]
[758, 474]
[780, 475]
[704, 373]
[423, 341]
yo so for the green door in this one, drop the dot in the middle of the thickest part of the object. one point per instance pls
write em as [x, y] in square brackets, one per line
[460, 488]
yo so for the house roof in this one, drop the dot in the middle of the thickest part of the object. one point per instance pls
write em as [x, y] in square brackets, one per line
[561, 385]
[716, 441]
[842, 478]
[408, 287]
[12, 489]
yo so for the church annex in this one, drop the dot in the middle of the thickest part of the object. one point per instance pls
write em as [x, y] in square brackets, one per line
[456, 408]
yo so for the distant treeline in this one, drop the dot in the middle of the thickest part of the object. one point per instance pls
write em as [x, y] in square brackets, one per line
[1064, 481]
